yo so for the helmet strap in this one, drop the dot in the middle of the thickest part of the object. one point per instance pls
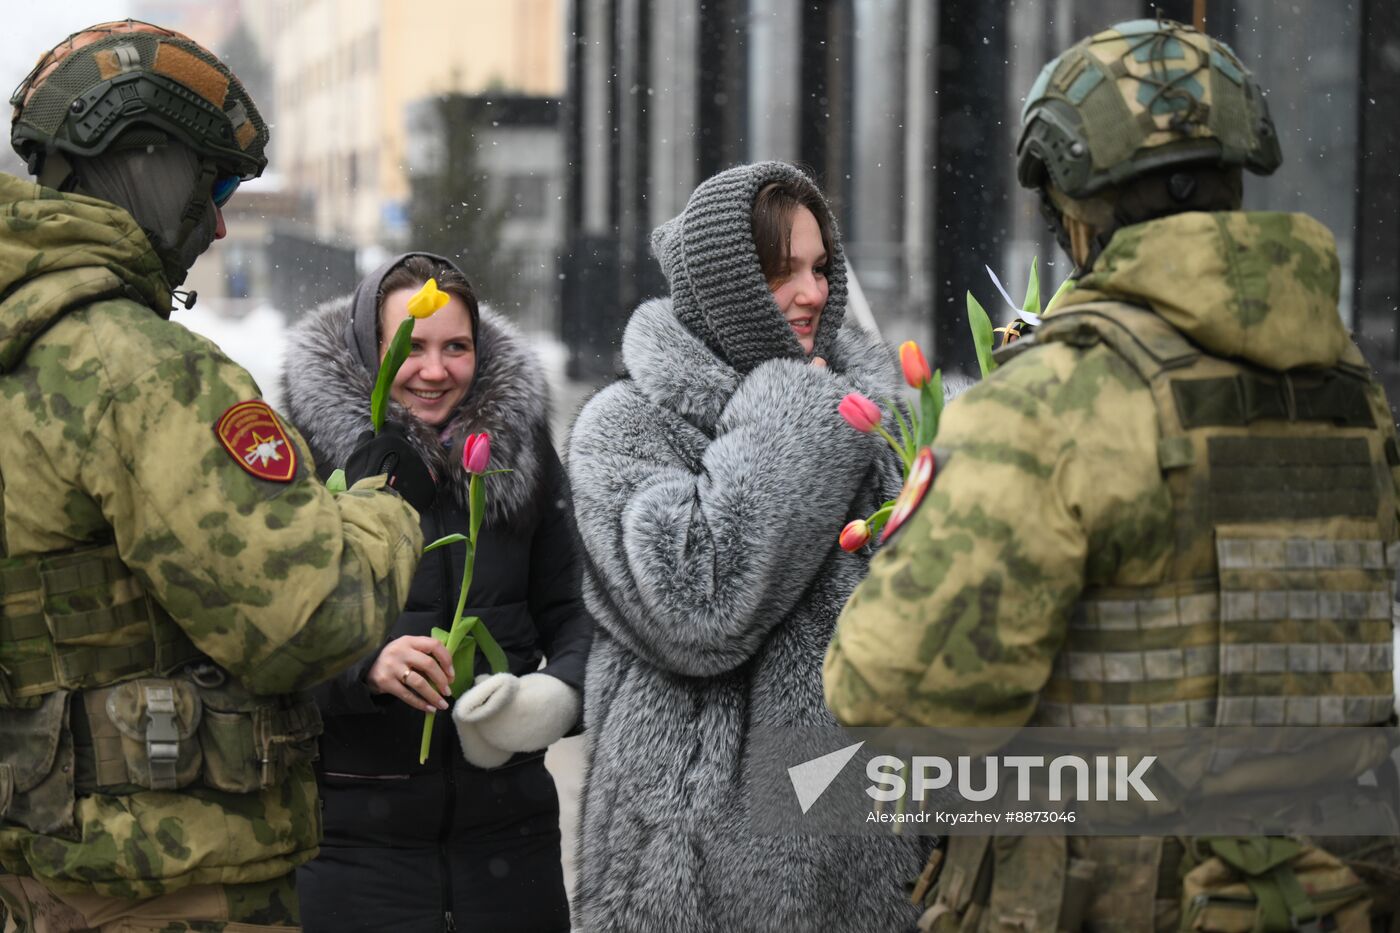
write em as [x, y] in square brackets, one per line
[1082, 226]
[1083, 243]
[200, 200]
[56, 172]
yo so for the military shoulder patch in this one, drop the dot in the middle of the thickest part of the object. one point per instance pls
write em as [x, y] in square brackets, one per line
[253, 436]
[912, 495]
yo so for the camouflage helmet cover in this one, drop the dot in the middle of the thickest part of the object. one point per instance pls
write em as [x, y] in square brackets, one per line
[1138, 97]
[99, 83]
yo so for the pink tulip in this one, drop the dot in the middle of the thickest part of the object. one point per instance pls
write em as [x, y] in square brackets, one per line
[859, 412]
[911, 358]
[855, 535]
[477, 453]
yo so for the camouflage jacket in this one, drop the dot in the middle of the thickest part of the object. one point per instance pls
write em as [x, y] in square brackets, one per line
[1054, 486]
[109, 412]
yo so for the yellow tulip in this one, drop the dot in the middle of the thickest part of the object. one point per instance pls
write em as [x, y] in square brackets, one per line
[427, 300]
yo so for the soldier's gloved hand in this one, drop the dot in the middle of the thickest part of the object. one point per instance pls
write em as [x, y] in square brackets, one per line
[504, 714]
[391, 452]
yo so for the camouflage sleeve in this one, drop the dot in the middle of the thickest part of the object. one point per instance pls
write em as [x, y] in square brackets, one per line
[958, 623]
[282, 583]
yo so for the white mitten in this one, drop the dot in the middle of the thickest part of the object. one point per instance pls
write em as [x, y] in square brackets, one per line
[503, 714]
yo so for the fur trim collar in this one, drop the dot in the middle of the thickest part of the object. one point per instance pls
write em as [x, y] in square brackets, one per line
[675, 369]
[327, 391]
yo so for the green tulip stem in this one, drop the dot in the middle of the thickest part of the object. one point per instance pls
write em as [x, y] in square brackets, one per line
[466, 634]
[895, 445]
[878, 520]
[394, 357]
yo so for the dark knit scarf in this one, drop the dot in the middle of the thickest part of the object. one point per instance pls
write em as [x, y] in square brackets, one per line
[717, 286]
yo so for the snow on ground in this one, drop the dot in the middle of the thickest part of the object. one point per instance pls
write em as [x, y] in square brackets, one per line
[254, 340]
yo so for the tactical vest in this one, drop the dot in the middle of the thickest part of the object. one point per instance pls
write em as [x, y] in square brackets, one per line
[1277, 606]
[1276, 610]
[101, 691]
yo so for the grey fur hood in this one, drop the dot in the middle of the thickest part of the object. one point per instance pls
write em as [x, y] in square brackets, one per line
[675, 369]
[326, 391]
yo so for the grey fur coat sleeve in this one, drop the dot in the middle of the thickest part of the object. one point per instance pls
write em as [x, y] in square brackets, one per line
[703, 545]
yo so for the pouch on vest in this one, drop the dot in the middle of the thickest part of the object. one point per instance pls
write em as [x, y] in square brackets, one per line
[157, 719]
[1268, 884]
[964, 887]
[36, 767]
[1376, 861]
[252, 742]
[1005, 884]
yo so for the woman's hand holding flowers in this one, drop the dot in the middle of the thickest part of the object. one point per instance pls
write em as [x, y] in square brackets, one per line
[415, 668]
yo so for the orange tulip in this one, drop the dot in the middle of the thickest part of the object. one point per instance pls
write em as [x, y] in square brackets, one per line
[916, 371]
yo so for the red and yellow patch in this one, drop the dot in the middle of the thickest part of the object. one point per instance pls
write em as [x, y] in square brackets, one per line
[253, 436]
[915, 488]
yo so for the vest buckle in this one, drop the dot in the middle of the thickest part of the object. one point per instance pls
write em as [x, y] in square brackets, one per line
[162, 736]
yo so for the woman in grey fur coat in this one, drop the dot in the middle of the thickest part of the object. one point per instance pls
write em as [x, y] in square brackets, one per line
[470, 840]
[710, 487]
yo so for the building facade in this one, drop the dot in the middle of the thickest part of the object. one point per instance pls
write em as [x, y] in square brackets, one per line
[346, 71]
[907, 114]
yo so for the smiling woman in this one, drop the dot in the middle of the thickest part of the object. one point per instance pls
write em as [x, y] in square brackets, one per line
[442, 362]
[419, 846]
[793, 235]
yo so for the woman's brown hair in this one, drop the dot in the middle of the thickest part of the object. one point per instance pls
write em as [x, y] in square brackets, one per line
[773, 211]
[414, 271]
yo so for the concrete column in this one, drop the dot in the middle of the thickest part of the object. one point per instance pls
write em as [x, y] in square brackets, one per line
[674, 67]
[919, 175]
[773, 84]
[876, 218]
[598, 119]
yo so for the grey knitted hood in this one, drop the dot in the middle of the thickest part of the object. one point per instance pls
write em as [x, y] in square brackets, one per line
[717, 286]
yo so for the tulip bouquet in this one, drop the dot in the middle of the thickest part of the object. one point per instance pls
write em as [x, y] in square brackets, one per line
[917, 431]
[425, 302]
[467, 634]
[915, 434]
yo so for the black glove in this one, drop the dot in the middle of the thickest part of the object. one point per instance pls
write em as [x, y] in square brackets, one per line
[391, 452]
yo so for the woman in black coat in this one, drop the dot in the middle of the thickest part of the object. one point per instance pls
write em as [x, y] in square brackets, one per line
[469, 840]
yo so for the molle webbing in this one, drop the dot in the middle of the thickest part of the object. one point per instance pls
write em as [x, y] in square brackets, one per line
[1247, 397]
[1291, 478]
[1277, 603]
[80, 619]
[1318, 653]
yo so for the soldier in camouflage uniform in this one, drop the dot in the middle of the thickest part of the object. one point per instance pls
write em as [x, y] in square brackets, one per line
[171, 571]
[1176, 506]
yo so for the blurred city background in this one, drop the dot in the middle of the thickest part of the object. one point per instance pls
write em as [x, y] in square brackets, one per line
[540, 141]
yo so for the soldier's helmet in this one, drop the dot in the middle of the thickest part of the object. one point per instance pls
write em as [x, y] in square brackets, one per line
[1140, 97]
[116, 80]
